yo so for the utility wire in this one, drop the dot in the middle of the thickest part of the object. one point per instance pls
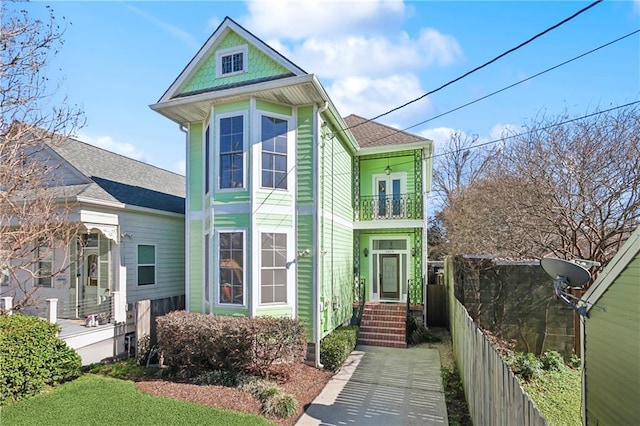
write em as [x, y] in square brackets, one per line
[479, 67]
[512, 85]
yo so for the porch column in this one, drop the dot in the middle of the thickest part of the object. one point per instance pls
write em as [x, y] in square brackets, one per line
[7, 305]
[118, 311]
[52, 310]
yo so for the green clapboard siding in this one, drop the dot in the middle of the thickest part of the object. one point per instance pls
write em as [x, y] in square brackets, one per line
[259, 66]
[274, 311]
[305, 273]
[195, 178]
[370, 167]
[275, 108]
[196, 265]
[305, 156]
[612, 352]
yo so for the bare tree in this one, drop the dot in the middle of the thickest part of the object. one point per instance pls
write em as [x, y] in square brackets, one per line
[565, 187]
[33, 209]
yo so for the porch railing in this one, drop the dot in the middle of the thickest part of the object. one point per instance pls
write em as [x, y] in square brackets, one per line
[389, 207]
[102, 308]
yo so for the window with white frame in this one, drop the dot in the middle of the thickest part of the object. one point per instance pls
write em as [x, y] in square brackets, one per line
[44, 255]
[231, 268]
[146, 264]
[273, 268]
[274, 152]
[231, 61]
[231, 141]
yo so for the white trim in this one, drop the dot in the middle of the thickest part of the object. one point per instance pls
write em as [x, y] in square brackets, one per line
[230, 51]
[326, 214]
[404, 273]
[291, 270]
[290, 169]
[187, 224]
[216, 264]
[155, 265]
[394, 148]
[388, 179]
[389, 224]
[245, 151]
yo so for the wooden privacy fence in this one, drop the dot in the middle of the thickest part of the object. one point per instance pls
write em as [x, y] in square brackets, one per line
[494, 394]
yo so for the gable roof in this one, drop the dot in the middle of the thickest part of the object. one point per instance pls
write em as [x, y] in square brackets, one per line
[614, 268]
[115, 178]
[209, 48]
[372, 134]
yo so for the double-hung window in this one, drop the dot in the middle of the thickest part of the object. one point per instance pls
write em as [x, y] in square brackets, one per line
[231, 272]
[273, 272]
[146, 264]
[274, 152]
[231, 137]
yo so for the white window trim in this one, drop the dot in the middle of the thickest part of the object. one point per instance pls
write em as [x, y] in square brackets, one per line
[215, 269]
[402, 176]
[245, 147]
[290, 267]
[155, 265]
[290, 147]
[244, 49]
[50, 258]
[373, 253]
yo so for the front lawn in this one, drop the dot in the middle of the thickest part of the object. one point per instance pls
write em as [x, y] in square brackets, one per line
[97, 400]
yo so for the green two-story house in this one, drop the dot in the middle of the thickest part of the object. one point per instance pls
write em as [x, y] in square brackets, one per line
[289, 205]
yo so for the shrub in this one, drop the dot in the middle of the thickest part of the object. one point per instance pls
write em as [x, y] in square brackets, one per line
[263, 346]
[33, 357]
[274, 401]
[525, 365]
[574, 361]
[551, 360]
[336, 347]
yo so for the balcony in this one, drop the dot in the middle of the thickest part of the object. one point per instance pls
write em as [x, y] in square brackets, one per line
[390, 207]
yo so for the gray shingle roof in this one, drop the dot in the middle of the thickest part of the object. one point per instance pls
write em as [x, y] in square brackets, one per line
[117, 178]
[371, 133]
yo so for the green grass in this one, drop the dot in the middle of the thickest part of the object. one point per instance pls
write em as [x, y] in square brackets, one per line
[97, 400]
[558, 396]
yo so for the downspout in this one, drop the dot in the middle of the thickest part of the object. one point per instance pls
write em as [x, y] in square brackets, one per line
[186, 220]
[317, 249]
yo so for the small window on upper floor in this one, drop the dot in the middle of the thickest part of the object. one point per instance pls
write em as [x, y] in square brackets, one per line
[231, 61]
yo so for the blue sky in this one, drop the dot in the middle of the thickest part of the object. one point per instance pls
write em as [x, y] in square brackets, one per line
[371, 56]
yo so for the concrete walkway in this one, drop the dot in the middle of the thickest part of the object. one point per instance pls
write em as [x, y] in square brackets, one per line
[382, 386]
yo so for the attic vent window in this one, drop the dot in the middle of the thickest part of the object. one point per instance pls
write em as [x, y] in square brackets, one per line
[231, 61]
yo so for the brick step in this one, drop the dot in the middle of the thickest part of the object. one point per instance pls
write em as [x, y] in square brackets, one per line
[384, 343]
[383, 331]
[385, 306]
[382, 324]
[377, 335]
[381, 315]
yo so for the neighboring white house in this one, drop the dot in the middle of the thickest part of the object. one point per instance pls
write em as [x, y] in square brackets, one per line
[130, 248]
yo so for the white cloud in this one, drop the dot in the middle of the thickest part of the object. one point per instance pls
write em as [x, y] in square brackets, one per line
[373, 56]
[179, 167]
[439, 135]
[369, 97]
[108, 143]
[501, 130]
[296, 19]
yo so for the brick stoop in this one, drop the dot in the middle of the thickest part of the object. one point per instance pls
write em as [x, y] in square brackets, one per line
[383, 324]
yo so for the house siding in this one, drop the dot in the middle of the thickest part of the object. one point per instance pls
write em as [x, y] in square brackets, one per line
[612, 343]
[305, 272]
[259, 66]
[167, 233]
[376, 166]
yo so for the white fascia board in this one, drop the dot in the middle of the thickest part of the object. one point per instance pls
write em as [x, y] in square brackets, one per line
[384, 149]
[388, 224]
[615, 267]
[102, 203]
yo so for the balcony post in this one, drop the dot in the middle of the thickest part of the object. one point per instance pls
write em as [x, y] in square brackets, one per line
[52, 310]
[7, 305]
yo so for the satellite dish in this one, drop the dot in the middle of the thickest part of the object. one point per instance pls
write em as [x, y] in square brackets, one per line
[574, 275]
[566, 274]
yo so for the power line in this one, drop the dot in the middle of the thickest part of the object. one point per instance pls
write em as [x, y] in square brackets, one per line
[479, 67]
[513, 85]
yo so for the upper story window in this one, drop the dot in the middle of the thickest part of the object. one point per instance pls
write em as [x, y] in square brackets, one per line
[231, 152]
[231, 61]
[146, 264]
[274, 152]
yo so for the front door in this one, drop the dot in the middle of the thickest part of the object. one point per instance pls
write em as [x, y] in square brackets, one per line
[390, 276]
[388, 196]
[90, 278]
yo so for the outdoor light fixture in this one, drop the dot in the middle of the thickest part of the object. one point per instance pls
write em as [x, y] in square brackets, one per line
[387, 170]
[365, 252]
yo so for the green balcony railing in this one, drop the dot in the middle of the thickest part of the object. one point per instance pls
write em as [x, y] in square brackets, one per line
[389, 207]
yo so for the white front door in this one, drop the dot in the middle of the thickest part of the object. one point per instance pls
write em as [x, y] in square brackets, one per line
[389, 268]
[389, 190]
